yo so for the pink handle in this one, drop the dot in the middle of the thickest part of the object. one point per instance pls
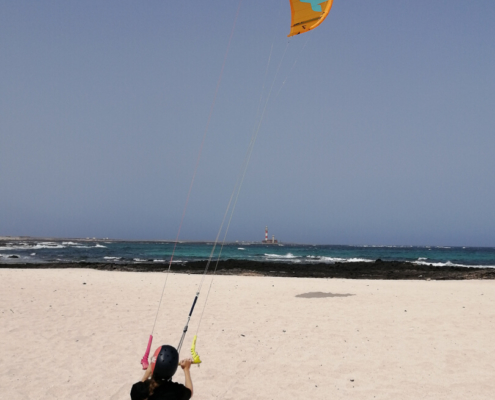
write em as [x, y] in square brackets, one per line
[144, 360]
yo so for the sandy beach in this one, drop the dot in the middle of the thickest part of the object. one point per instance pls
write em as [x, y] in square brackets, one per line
[80, 333]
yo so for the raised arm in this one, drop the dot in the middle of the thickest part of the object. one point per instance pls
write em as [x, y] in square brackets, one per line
[186, 367]
[147, 374]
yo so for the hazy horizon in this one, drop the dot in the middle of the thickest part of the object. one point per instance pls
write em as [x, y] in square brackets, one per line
[185, 240]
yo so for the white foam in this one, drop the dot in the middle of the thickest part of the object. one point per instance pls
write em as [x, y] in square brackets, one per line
[286, 256]
[112, 258]
[451, 264]
[51, 244]
[10, 248]
[27, 246]
[318, 259]
[48, 246]
[159, 261]
[332, 260]
[99, 245]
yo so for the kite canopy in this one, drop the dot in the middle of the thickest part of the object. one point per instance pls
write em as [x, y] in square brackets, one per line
[307, 14]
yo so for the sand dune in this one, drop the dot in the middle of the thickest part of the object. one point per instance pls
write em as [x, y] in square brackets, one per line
[76, 333]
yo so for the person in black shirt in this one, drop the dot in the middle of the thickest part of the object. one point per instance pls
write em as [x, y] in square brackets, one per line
[157, 380]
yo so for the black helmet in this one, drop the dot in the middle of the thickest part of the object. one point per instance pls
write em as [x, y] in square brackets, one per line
[164, 362]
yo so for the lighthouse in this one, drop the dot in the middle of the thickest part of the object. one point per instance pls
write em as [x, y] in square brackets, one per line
[266, 241]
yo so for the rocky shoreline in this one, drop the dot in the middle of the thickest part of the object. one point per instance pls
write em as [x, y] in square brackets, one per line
[388, 270]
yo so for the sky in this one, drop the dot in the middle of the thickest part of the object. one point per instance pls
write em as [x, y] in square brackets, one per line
[379, 125]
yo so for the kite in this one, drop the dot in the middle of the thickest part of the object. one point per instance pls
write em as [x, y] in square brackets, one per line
[307, 14]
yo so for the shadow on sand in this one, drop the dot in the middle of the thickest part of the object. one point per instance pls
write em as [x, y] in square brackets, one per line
[312, 295]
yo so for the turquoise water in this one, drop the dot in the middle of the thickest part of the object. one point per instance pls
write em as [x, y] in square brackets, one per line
[161, 252]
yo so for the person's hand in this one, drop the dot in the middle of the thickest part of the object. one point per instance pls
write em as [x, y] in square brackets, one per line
[186, 363]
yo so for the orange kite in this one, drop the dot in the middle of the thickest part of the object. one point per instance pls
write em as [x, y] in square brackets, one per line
[307, 14]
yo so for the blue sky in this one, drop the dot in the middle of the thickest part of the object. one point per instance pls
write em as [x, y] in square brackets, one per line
[383, 132]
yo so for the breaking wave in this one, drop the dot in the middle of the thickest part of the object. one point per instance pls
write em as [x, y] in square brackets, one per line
[286, 256]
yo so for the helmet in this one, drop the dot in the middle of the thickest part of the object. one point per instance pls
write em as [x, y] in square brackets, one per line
[164, 362]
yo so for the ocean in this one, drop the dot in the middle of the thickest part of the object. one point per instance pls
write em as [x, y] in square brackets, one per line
[105, 251]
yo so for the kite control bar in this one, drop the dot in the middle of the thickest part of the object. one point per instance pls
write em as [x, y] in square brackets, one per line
[194, 354]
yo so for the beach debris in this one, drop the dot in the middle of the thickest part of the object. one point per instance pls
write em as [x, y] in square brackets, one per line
[84, 283]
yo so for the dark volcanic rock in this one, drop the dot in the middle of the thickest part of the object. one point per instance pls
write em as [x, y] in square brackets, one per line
[355, 270]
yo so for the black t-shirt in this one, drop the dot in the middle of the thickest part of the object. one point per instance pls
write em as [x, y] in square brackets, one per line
[166, 391]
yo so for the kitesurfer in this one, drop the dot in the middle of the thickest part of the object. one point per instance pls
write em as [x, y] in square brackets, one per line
[157, 380]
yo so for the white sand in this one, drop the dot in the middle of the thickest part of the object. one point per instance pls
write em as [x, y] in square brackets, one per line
[61, 339]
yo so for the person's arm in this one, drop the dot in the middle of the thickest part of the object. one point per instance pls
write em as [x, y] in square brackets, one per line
[147, 374]
[186, 367]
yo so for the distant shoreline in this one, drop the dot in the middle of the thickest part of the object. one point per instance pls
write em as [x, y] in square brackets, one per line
[384, 270]
[94, 239]
[4, 239]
